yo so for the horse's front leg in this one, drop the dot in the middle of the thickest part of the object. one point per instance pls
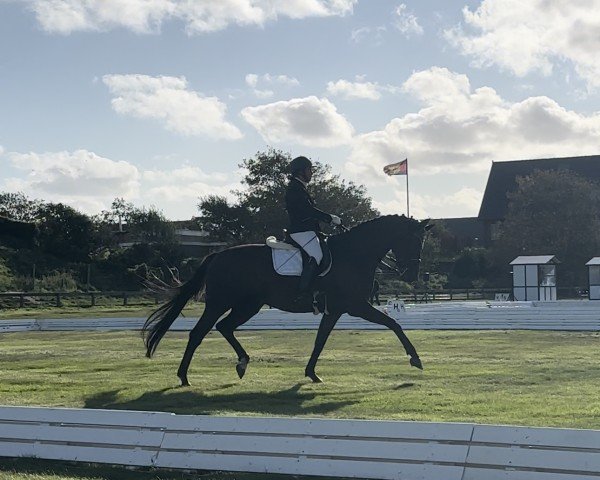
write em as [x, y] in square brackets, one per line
[371, 314]
[325, 327]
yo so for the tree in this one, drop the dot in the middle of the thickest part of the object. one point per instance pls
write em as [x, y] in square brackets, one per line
[552, 212]
[141, 224]
[66, 233]
[260, 210]
[469, 268]
[150, 225]
[224, 222]
[17, 206]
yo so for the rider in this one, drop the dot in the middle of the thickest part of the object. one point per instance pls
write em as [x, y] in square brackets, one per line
[304, 219]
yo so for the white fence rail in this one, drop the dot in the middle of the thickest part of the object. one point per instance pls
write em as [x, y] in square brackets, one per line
[348, 448]
[562, 315]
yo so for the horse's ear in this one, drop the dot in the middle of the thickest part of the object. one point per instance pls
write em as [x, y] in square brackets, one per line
[426, 225]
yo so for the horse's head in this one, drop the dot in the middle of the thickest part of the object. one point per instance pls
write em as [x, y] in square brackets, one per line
[408, 245]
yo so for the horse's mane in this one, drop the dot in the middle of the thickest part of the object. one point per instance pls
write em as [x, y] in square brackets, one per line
[368, 230]
[382, 222]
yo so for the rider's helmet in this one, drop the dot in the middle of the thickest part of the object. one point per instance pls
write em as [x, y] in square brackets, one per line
[298, 164]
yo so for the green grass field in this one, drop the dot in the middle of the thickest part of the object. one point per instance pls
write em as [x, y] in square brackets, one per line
[515, 377]
[193, 309]
[26, 469]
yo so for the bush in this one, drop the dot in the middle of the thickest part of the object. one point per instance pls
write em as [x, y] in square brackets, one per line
[56, 282]
[7, 279]
[394, 286]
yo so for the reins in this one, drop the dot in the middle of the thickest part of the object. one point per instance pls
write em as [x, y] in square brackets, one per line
[344, 228]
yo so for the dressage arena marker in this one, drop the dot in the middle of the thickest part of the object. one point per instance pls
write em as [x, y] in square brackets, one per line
[348, 448]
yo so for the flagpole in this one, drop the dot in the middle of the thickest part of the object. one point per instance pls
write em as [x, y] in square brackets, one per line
[407, 204]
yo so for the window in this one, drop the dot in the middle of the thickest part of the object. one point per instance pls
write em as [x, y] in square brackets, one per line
[594, 274]
[548, 275]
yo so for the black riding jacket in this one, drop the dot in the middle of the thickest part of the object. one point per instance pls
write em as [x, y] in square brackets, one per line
[304, 216]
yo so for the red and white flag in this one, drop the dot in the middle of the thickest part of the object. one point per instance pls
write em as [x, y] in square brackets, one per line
[400, 168]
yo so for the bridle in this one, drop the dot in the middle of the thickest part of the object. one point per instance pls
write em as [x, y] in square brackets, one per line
[407, 264]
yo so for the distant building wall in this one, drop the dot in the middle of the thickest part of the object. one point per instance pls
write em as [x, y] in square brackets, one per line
[503, 179]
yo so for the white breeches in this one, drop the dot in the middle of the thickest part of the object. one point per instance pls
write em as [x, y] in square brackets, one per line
[310, 243]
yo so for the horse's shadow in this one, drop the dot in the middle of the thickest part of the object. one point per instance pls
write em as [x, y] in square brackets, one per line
[291, 401]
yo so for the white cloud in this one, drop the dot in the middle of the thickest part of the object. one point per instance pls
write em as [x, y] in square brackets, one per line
[309, 121]
[371, 35]
[66, 16]
[359, 89]
[89, 182]
[212, 15]
[147, 16]
[179, 189]
[466, 200]
[1, 150]
[81, 178]
[406, 22]
[532, 36]
[346, 89]
[461, 130]
[253, 81]
[168, 99]
[182, 174]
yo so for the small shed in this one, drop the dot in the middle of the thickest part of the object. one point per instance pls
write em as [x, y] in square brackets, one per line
[534, 277]
[594, 278]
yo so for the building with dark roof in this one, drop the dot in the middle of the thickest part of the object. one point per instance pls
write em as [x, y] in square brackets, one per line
[461, 232]
[503, 179]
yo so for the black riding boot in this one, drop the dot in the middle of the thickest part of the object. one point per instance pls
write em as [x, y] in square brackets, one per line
[308, 276]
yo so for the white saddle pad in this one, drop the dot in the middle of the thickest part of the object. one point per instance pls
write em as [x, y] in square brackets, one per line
[287, 259]
[287, 262]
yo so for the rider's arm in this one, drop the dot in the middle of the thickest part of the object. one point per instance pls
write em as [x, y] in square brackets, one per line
[303, 207]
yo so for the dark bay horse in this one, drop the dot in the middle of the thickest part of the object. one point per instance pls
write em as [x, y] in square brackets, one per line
[242, 279]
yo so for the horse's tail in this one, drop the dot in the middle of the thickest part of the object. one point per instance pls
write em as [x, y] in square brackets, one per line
[161, 319]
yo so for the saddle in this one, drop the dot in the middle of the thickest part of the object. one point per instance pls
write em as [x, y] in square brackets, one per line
[289, 258]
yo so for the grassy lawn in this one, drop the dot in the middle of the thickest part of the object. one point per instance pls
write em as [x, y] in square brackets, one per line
[514, 377]
[27, 469]
[111, 309]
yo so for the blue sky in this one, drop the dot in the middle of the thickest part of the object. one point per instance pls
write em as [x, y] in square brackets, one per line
[158, 101]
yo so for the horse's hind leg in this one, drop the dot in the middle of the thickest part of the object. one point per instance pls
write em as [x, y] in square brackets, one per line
[205, 324]
[239, 315]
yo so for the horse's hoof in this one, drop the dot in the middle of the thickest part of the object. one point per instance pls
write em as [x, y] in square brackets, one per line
[240, 368]
[416, 362]
[314, 377]
[184, 382]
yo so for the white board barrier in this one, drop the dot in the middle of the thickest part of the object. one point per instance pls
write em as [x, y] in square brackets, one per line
[301, 446]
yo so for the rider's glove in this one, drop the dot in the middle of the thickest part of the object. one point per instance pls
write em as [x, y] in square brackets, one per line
[336, 220]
